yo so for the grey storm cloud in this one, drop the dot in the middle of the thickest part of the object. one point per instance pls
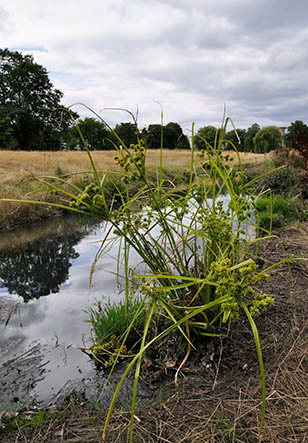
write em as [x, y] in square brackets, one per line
[193, 57]
[4, 21]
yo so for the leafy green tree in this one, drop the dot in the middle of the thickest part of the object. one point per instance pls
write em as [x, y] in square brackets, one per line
[183, 142]
[95, 133]
[173, 137]
[176, 128]
[297, 138]
[236, 138]
[153, 136]
[7, 139]
[171, 133]
[267, 139]
[249, 136]
[127, 132]
[208, 134]
[27, 99]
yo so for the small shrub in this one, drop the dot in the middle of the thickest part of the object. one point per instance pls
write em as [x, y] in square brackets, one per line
[267, 220]
[288, 157]
[296, 160]
[284, 206]
[280, 180]
[281, 157]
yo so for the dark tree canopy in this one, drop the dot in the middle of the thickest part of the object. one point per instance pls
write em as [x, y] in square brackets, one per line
[207, 134]
[127, 133]
[27, 100]
[95, 133]
[153, 136]
[171, 134]
[174, 137]
[297, 138]
[183, 142]
[249, 136]
[236, 138]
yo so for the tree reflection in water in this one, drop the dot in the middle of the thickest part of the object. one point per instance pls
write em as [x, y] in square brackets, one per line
[41, 267]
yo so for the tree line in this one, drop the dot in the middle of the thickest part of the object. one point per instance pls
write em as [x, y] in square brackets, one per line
[258, 140]
[98, 136]
[32, 117]
[253, 139]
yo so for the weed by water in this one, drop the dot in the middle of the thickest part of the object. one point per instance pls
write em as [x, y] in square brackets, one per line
[111, 323]
[276, 211]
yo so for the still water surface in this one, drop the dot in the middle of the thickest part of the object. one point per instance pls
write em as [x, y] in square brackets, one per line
[44, 292]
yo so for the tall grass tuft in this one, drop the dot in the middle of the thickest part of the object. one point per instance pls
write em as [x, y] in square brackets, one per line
[194, 245]
[111, 323]
[275, 211]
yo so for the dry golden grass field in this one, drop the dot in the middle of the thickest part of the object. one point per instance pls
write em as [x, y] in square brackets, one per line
[18, 170]
[22, 165]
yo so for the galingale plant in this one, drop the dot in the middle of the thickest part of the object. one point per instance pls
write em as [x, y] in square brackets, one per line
[194, 246]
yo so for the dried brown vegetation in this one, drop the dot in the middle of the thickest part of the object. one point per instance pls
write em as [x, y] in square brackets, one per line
[18, 165]
[18, 170]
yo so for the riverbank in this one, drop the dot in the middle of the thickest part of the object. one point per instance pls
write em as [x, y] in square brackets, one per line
[19, 169]
[218, 398]
[219, 394]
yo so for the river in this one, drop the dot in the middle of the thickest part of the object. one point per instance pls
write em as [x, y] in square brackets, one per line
[44, 297]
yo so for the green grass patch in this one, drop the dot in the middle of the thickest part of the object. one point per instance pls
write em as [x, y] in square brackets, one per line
[276, 212]
[112, 323]
[34, 422]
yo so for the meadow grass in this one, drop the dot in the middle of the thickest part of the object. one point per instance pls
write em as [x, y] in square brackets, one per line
[19, 169]
[21, 166]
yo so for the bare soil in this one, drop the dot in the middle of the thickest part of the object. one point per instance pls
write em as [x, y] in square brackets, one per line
[219, 396]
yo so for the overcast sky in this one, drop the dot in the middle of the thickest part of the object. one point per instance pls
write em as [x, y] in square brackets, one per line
[191, 56]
